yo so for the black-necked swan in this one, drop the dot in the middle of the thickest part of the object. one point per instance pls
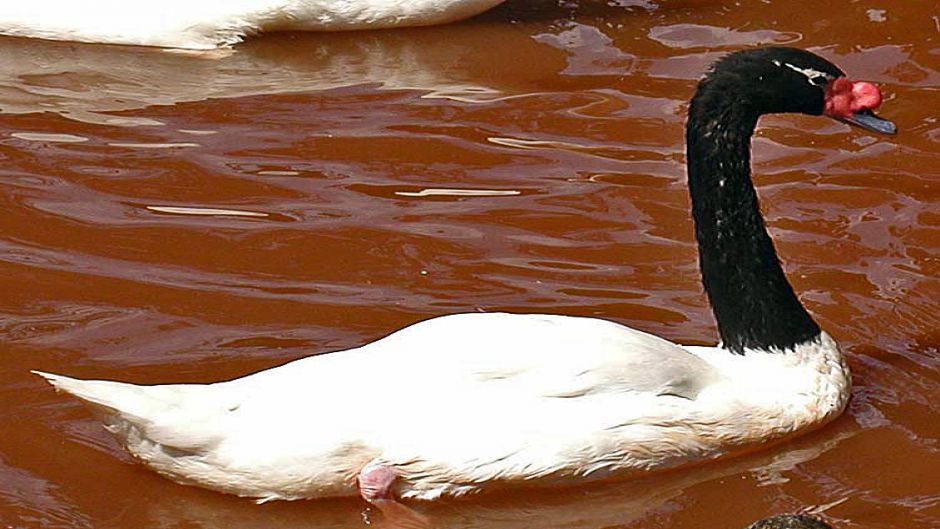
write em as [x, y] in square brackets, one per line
[465, 403]
[790, 521]
[206, 24]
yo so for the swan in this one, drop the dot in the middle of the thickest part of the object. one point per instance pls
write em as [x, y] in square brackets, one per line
[790, 521]
[207, 24]
[465, 403]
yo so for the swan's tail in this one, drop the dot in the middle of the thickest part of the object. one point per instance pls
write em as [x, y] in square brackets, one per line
[140, 415]
[103, 396]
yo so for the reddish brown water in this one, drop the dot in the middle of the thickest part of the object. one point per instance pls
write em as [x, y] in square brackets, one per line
[529, 160]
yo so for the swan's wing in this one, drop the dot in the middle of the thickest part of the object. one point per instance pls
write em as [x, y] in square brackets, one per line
[454, 359]
[503, 397]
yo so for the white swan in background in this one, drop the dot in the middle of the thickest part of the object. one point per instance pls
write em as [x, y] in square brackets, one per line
[207, 24]
[466, 403]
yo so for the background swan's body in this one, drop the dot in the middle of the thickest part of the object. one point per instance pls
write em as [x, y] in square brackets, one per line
[462, 403]
[206, 24]
[468, 401]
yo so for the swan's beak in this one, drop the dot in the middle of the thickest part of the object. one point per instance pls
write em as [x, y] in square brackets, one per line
[867, 120]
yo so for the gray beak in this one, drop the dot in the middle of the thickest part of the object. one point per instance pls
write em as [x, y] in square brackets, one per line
[867, 120]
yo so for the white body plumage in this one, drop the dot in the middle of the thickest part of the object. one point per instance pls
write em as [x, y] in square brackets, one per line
[467, 402]
[206, 24]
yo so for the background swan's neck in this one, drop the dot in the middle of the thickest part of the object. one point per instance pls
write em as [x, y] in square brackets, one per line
[753, 302]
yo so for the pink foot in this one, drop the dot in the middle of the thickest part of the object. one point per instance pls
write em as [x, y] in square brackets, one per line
[375, 486]
[375, 481]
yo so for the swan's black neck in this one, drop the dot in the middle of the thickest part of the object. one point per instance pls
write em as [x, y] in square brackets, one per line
[753, 302]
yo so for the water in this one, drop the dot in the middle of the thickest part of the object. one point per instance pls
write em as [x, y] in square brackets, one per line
[189, 218]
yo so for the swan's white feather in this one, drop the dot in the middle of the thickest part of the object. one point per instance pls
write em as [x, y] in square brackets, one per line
[204, 24]
[471, 401]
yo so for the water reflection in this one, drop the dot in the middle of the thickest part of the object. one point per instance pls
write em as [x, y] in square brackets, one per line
[81, 81]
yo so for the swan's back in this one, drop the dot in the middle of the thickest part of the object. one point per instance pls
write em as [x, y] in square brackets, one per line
[530, 354]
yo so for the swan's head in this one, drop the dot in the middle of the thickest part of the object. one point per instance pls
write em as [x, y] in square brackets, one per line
[773, 80]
